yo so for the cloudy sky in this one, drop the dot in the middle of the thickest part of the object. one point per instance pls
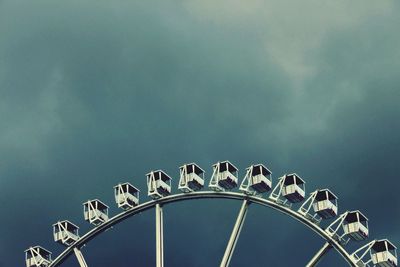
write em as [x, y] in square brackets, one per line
[93, 93]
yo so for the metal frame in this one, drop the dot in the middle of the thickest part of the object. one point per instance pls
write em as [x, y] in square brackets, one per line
[237, 228]
[63, 235]
[247, 183]
[359, 255]
[307, 206]
[320, 254]
[92, 207]
[278, 192]
[37, 257]
[80, 258]
[204, 195]
[126, 196]
[153, 184]
[292, 190]
[159, 236]
[336, 231]
[184, 183]
[216, 175]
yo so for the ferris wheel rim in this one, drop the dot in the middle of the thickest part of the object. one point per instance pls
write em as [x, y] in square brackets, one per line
[122, 216]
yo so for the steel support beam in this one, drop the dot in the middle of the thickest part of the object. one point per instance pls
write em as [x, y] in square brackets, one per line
[320, 254]
[159, 236]
[79, 256]
[203, 195]
[235, 234]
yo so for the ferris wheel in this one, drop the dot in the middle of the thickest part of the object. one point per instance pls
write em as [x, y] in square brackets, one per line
[319, 205]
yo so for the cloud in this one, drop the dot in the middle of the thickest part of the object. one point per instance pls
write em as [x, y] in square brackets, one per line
[95, 93]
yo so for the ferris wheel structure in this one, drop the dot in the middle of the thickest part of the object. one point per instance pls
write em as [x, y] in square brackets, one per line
[256, 188]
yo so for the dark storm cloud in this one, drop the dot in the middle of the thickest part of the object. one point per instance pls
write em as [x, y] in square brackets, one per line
[97, 93]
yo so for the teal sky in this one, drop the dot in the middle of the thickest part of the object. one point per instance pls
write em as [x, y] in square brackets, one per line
[93, 93]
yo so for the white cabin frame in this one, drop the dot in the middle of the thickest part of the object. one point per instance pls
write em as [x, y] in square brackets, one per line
[37, 256]
[387, 258]
[95, 212]
[126, 195]
[283, 190]
[65, 232]
[190, 174]
[156, 186]
[250, 180]
[318, 206]
[218, 176]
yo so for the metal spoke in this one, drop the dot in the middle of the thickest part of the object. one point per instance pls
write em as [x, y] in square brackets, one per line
[159, 237]
[201, 195]
[79, 256]
[235, 234]
[320, 254]
[321, 204]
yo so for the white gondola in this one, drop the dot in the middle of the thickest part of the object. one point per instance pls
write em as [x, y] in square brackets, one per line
[224, 176]
[37, 256]
[257, 180]
[191, 178]
[325, 204]
[158, 184]
[260, 178]
[355, 225]
[349, 225]
[384, 254]
[293, 188]
[65, 232]
[126, 196]
[95, 212]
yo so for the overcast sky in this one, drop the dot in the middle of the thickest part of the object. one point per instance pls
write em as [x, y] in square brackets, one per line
[93, 93]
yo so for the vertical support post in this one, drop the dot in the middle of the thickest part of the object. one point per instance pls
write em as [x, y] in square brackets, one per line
[159, 237]
[235, 234]
[320, 254]
[79, 256]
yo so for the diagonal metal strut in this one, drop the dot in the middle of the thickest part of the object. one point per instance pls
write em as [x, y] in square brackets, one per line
[79, 256]
[320, 254]
[235, 234]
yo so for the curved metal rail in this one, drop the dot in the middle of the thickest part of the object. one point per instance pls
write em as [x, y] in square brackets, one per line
[198, 195]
